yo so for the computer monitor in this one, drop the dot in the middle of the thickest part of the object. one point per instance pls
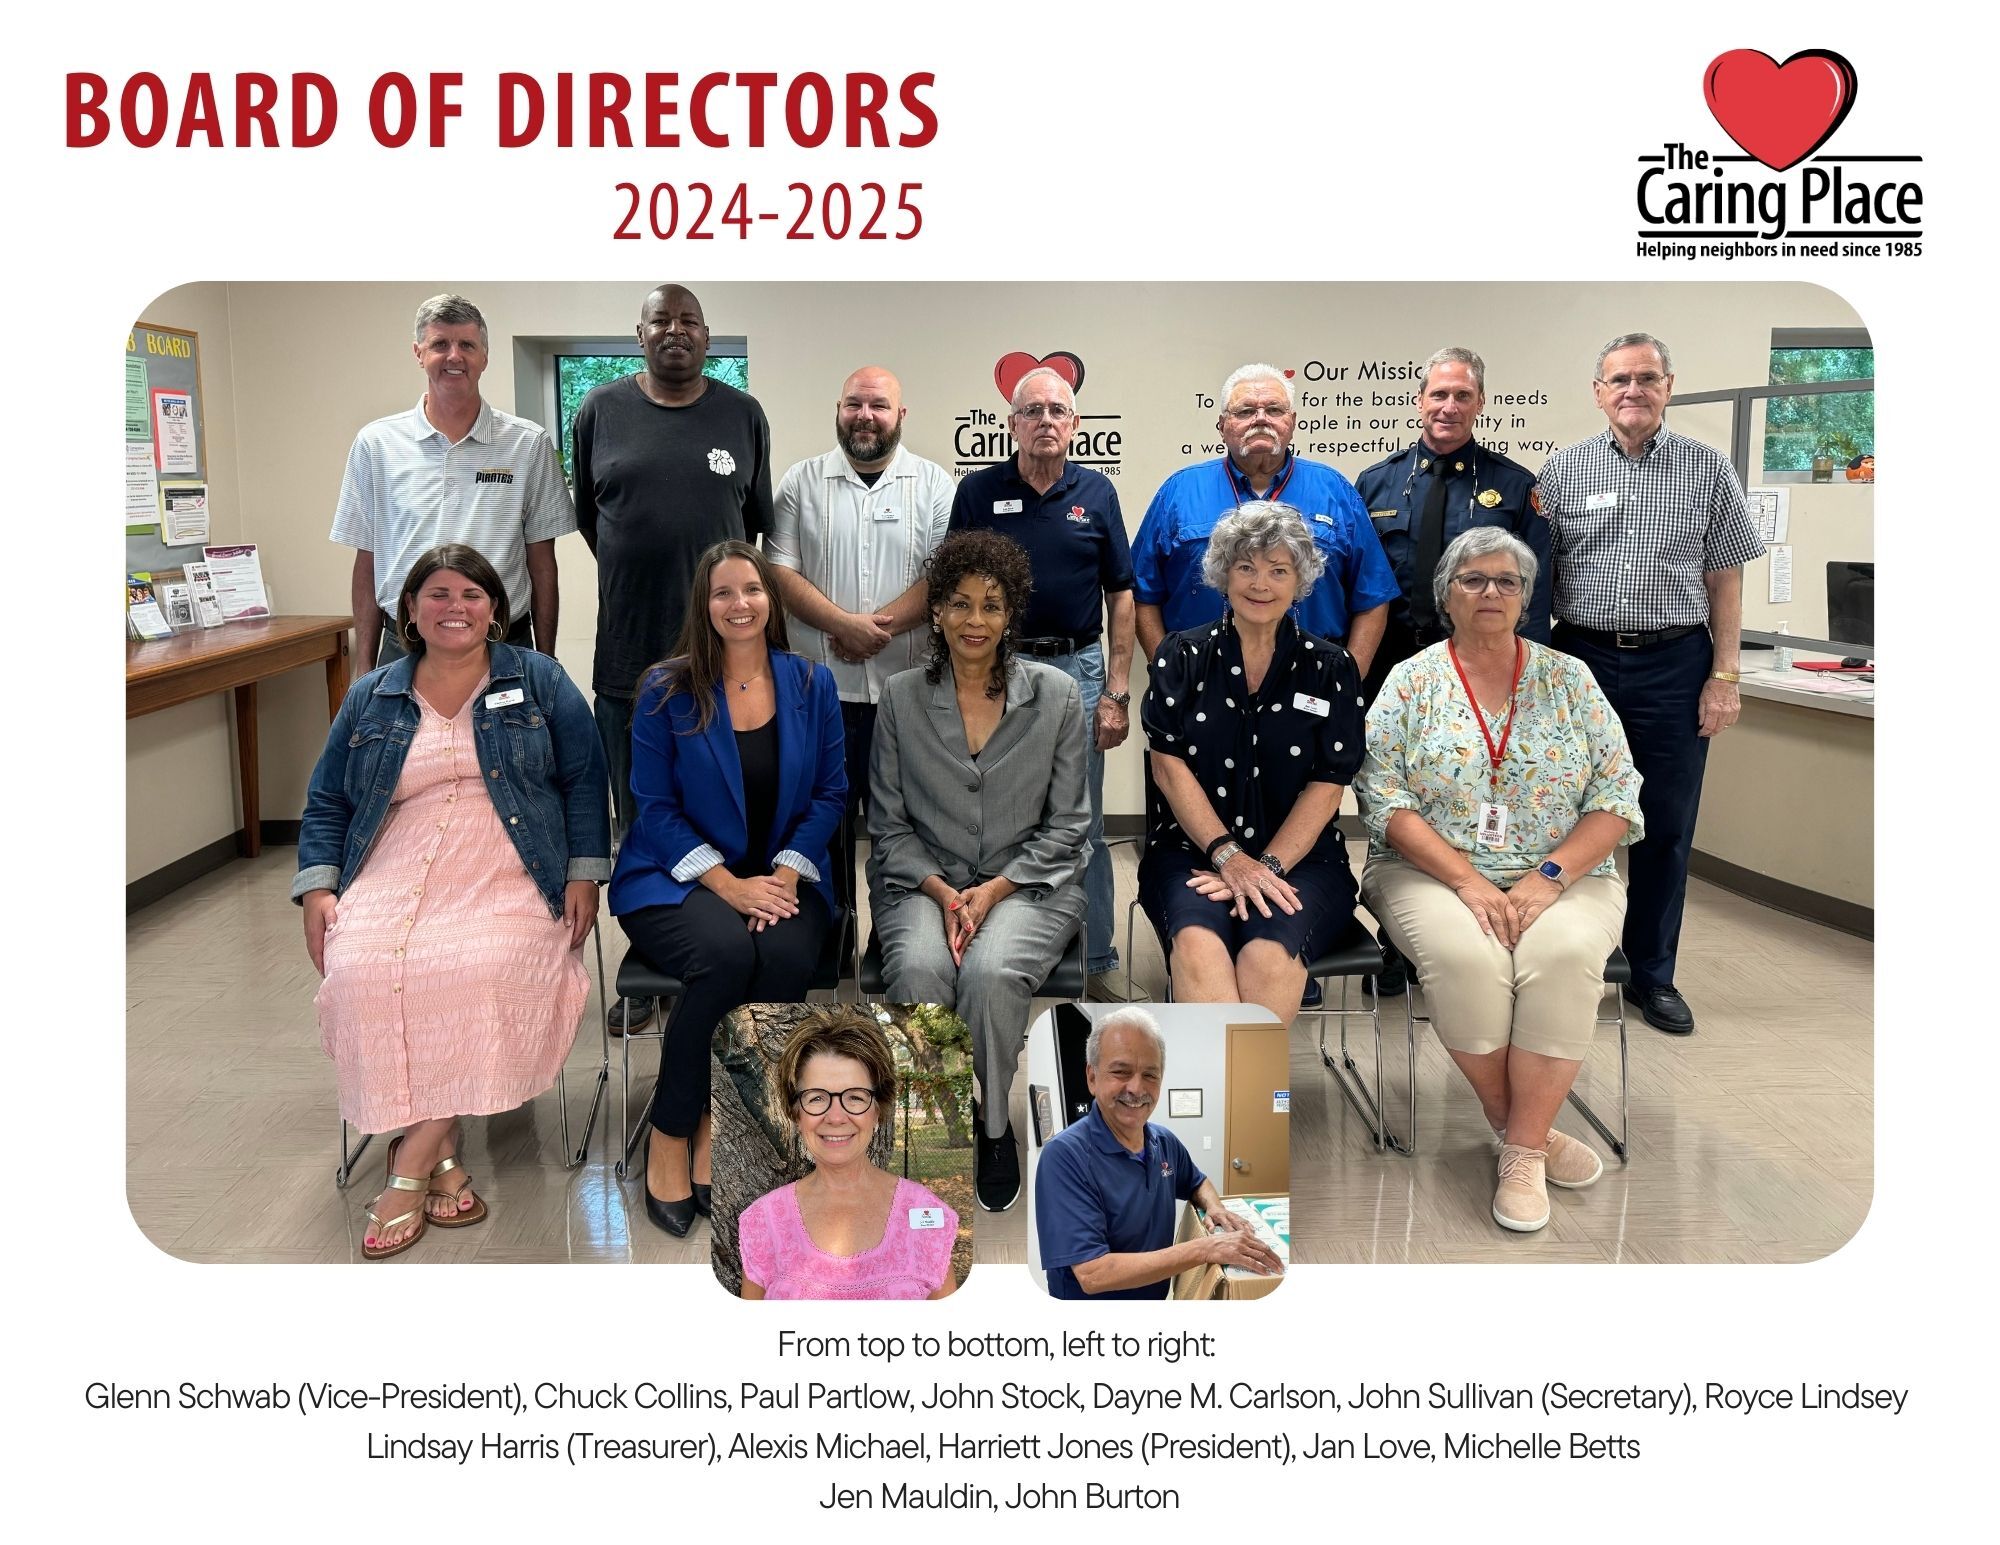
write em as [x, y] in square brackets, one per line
[1850, 603]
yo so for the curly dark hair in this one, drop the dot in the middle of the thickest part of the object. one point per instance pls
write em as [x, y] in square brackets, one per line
[986, 555]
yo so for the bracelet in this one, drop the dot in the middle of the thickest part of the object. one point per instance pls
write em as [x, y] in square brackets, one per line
[1270, 861]
[1725, 676]
[1209, 851]
[1122, 699]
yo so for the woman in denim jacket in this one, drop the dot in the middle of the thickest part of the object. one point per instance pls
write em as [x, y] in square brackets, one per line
[455, 833]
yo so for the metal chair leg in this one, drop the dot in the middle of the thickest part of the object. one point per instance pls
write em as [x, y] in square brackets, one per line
[344, 1171]
[1346, 1073]
[1619, 1139]
[573, 1159]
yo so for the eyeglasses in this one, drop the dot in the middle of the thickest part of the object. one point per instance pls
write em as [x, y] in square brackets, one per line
[1048, 410]
[1649, 381]
[1250, 412]
[856, 1102]
[1479, 584]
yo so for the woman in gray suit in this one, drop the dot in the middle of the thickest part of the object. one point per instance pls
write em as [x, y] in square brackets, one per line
[978, 812]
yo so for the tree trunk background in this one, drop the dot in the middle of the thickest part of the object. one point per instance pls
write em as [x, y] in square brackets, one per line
[756, 1145]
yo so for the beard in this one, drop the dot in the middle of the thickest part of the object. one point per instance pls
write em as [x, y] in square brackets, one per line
[866, 444]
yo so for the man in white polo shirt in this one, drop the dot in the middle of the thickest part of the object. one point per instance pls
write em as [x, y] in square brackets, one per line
[451, 469]
[849, 535]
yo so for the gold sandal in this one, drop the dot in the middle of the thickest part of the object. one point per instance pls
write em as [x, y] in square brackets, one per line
[369, 1251]
[457, 1219]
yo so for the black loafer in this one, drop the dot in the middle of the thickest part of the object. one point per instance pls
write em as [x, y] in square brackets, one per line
[997, 1171]
[675, 1217]
[1663, 1008]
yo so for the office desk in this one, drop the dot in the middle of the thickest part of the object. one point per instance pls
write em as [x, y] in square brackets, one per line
[164, 672]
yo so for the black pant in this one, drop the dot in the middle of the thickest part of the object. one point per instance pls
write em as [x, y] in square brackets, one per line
[1399, 642]
[722, 965]
[857, 722]
[1656, 693]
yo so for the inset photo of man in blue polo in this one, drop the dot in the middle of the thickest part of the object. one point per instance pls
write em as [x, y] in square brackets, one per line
[1131, 1109]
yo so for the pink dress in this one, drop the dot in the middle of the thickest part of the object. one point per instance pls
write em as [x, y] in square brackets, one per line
[449, 990]
[912, 1261]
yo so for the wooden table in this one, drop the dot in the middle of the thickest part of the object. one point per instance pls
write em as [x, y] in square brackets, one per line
[163, 672]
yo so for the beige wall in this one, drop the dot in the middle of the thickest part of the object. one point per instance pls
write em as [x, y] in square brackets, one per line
[311, 362]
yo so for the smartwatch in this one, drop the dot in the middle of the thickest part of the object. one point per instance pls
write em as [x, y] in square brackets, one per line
[1549, 869]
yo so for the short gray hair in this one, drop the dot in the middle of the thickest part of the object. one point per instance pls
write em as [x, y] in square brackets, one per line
[1125, 1018]
[1244, 373]
[450, 311]
[1477, 542]
[1465, 357]
[1261, 526]
[1634, 341]
[1014, 402]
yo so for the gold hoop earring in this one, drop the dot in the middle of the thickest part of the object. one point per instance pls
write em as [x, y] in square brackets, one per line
[494, 632]
[408, 635]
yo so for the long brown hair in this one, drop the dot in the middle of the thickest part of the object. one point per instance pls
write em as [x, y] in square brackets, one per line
[455, 558]
[696, 665]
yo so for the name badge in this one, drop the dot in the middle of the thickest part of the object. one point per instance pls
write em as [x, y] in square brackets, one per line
[1315, 705]
[926, 1217]
[888, 512]
[1492, 826]
[505, 699]
[1603, 501]
[1006, 506]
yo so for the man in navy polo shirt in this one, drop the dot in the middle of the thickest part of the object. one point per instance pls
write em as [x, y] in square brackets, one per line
[1080, 614]
[1108, 1185]
[1349, 605]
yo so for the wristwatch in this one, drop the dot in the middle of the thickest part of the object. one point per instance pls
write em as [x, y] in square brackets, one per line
[1224, 854]
[1549, 869]
[1122, 699]
[1270, 862]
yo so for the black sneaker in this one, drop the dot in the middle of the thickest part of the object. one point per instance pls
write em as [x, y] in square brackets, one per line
[631, 1014]
[997, 1171]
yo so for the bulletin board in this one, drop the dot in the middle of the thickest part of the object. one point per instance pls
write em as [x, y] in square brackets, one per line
[164, 413]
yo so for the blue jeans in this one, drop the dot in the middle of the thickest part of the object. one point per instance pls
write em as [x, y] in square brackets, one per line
[1086, 669]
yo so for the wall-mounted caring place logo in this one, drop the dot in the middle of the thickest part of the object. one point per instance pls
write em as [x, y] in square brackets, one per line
[1784, 195]
[980, 436]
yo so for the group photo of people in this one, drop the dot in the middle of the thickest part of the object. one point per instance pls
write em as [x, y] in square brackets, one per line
[1040, 688]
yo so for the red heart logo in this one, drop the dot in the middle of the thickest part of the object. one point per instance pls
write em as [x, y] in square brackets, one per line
[1780, 113]
[1009, 368]
[1288, 375]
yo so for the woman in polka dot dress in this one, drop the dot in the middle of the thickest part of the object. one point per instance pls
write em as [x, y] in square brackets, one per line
[1254, 728]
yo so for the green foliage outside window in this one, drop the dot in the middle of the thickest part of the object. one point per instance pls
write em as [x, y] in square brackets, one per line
[1839, 424]
[576, 374]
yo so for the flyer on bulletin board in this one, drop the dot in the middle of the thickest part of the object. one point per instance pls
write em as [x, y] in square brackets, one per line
[1105, 194]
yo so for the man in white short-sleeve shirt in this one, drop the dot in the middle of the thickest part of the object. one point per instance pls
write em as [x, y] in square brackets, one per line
[451, 469]
[849, 535]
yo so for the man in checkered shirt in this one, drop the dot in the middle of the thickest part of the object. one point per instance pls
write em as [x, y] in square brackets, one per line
[1651, 535]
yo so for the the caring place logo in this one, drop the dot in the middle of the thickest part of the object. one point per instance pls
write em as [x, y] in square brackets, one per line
[1785, 194]
[981, 438]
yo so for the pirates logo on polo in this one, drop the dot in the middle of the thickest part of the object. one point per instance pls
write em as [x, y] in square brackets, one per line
[720, 462]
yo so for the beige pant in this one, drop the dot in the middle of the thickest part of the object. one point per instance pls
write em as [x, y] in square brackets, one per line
[1541, 996]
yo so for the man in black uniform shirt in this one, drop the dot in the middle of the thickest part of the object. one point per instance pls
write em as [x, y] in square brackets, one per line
[668, 462]
[1423, 497]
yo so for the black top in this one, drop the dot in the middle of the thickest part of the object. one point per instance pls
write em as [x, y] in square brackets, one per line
[1253, 753]
[655, 489]
[757, 750]
[1074, 534]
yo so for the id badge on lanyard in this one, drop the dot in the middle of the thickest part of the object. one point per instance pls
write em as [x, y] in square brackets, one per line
[1493, 816]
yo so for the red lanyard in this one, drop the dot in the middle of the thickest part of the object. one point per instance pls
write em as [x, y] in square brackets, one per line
[1250, 495]
[1495, 755]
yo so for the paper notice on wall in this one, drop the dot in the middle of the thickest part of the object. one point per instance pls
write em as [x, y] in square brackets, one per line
[1771, 513]
[136, 426]
[142, 486]
[1781, 573]
[173, 432]
[183, 513]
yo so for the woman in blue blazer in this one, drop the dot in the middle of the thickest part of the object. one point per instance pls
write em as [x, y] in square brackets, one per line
[724, 880]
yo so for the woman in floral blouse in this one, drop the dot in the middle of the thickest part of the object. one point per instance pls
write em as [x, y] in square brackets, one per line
[1497, 784]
